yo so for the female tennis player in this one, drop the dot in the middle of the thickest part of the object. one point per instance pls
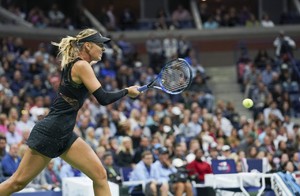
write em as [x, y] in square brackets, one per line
[53, 136]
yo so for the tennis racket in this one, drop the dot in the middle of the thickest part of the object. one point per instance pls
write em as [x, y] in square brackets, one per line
[174, 77]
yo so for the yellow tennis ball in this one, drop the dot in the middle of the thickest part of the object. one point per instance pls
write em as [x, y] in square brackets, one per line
[247, 103]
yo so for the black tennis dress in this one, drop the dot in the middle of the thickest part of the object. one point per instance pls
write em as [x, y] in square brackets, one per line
[53, 135]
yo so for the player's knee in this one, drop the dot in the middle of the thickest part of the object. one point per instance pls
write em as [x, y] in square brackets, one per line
[100, 175]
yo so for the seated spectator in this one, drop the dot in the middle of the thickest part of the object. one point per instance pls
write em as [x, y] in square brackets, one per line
[127, 19]
[155, 52]
[252, 21]
[199, 167]
[283, 44]
[12, 136]
[144, 145]
[225, 152]
[2, 146]
[288, 167]
[113, 172]
[266, 22]
[11, 161]
[2, 177]
[142, 172]
[211, 23]
[124, 157]
[3, 120]
[90, 138]
[69, 171]
[25, 123]
[161, 171]
[39, 183]
[181, 18]
[56, 16]
[272, 111]
[261, 59]
[52, 177]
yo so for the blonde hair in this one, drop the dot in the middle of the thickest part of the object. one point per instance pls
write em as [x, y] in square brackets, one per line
[122, 146]
[69, 47]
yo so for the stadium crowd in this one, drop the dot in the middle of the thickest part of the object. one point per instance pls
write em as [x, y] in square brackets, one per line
[179, 17]
[155, 128]
[155, 132]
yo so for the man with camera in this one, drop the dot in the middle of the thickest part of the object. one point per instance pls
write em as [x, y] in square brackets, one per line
[161, 171]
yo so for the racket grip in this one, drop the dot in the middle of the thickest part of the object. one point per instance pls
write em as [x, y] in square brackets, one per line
[142, 88]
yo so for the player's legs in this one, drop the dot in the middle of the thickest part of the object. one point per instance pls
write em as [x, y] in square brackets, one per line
[31, 165]
[81, 156]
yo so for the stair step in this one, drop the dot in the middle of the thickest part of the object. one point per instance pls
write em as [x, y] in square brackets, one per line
[224, 86]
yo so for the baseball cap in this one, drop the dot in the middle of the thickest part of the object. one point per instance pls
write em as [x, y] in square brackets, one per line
[225, 148]
[163, 150]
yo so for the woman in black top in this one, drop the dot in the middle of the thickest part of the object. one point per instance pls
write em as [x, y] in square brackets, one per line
[53, 136]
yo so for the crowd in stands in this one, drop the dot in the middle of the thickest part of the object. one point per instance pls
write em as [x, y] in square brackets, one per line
[155, 128]
[232, 17]
[54, 16]
[126, 19]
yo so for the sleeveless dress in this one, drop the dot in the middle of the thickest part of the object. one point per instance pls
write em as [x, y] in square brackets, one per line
[53, 135]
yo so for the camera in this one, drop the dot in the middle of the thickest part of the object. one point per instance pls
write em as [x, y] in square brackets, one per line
[180, 176]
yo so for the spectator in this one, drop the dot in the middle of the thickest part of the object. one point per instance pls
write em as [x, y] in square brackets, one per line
[56, 16]
[10, 162]
[25, 123]
[143, 146]
[12, 136]
[252, 22]
[112, 23]
[283, 45]
[161, 22]
[199, 167]
[52, 177]
[225, 152]
[125, 153]
[90, 138]
[69, 171]
[3, 144]
[127, 19]
[272, 111]
[161, 171]
[181, 18]
[3, 123]
[210, 23]
[170, 47]
[142, 172]
[113, 172]
[266, 22]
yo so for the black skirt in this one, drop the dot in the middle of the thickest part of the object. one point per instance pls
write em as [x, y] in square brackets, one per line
[53, 135]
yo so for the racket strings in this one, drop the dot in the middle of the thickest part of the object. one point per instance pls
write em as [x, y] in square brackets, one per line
[176, 77]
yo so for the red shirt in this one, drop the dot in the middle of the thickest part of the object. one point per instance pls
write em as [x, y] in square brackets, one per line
[199, 168]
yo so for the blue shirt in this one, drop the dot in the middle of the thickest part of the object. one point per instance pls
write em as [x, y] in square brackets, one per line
[160, 173]
[140, 172]
[10, 164]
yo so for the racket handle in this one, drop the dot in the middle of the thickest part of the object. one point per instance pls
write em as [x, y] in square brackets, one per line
[142, 88]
